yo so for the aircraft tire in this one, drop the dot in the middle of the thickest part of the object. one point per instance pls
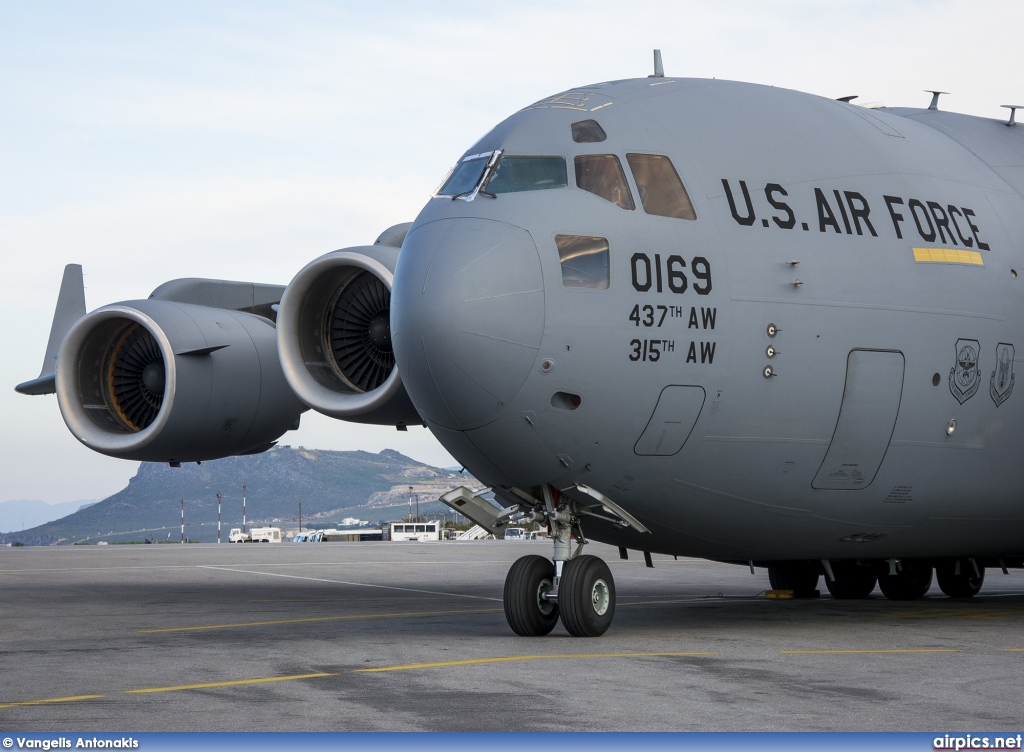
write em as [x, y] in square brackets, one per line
[527, 613]
[960, 585]
[801, 578]
[851, 582]
[909, 584]
[586, 597]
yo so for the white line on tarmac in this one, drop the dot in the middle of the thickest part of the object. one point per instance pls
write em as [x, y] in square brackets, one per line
[354, 584]
[268, 564]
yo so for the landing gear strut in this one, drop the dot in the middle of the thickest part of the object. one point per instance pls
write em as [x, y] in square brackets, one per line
[578, 589]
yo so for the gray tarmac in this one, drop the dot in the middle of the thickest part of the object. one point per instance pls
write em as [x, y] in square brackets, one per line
[412, 637]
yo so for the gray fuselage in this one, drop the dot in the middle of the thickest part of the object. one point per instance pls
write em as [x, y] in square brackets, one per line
[881, 248]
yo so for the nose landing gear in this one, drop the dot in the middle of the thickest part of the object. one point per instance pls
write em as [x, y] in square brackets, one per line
[578, 589]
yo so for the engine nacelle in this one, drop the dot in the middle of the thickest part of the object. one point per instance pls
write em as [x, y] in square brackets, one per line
[334, 336]
[162, 381]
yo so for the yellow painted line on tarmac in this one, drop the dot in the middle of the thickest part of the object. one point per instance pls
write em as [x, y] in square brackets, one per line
[1013, 650]
[51, 701]
[855, 652]
[398, 615]
[511, 658]
[235, 683]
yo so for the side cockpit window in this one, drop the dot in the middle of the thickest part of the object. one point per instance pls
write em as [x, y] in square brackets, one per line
[515, 174]
[584, 261]
[601, 174]
[661, 191]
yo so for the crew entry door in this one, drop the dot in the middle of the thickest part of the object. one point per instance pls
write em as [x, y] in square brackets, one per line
[867, 418]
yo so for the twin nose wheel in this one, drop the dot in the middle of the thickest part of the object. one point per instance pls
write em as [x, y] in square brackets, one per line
[585, 598]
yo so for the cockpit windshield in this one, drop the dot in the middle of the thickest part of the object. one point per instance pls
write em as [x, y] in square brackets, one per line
[490, 173]
[466, 175]
[515, 174]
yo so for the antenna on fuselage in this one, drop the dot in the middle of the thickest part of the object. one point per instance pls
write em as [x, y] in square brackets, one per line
[935, 98]
[1013, 112]
[659, 69]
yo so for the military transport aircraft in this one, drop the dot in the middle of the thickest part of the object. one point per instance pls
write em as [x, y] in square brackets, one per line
[692, 317]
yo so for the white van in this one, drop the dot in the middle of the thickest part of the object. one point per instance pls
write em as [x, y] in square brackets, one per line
[515, 533]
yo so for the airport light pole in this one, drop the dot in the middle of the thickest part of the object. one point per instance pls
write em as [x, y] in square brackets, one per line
[218, 518]
[300, 516]
[243, 509]
[183, 521]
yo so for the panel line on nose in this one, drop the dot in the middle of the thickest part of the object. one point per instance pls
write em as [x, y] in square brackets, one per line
[502, 295]
[474, 380]
[482, 256]
[500, 339]
[433, 253]
[437, 387]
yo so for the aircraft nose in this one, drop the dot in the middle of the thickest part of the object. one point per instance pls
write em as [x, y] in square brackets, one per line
[467, 316]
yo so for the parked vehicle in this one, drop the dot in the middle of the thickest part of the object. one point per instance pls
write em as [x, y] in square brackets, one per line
[265, 535]
[416, 531]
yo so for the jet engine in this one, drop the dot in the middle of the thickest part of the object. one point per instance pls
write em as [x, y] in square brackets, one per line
[163, 381]
[334, 335]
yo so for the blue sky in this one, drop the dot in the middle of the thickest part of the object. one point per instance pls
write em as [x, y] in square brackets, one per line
[236, 140]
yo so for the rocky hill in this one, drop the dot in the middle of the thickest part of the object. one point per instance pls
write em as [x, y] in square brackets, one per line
[327, 484]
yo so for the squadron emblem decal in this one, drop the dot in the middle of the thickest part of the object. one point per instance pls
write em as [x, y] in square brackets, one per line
[965, 376]
[1001, 384]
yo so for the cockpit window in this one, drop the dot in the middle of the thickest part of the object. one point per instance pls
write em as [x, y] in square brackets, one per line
[588, 132]
[584, 261]
[467, 173]
[601, 174]
[661, 190]
[515, 174]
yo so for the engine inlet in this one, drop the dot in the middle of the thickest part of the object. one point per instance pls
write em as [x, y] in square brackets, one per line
[358, 333]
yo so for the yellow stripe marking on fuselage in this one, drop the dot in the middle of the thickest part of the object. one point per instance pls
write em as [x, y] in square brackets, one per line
[948, 256]
[510, 658]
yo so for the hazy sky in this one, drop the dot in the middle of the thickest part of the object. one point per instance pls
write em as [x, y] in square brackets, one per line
[239, 140]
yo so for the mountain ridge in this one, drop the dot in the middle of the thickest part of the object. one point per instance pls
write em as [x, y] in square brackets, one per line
[277, 481]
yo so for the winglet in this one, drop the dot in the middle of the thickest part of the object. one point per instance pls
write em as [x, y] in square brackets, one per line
[70, 308]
